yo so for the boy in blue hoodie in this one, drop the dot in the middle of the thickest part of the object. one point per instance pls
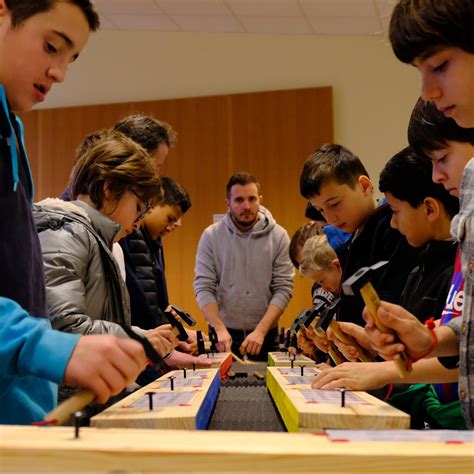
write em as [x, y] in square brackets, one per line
[38, 40]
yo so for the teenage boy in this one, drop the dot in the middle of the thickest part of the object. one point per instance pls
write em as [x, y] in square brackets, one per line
[438, 39]
[38, 40]
[337, 184]
[422, 211]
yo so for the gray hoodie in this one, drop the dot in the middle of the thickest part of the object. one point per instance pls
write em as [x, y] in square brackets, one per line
[244, 272]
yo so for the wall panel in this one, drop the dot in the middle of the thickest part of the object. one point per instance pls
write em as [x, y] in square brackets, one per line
[268, 134]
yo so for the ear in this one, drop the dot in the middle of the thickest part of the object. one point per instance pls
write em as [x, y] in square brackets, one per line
[260, 198]
[4, 11]
[227, 203]
[365, 184]
[432, 208]
[337, 263]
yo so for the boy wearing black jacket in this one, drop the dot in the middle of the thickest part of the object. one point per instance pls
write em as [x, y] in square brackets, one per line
[336, 183]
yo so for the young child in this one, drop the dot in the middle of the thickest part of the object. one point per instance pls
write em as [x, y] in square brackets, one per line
[38, 40]
[114, 186]
[337, 184]
[320, 262]
[438, 39]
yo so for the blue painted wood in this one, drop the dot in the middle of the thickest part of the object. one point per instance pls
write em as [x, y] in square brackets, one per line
[204, 414]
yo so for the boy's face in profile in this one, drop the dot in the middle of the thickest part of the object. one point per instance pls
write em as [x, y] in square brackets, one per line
[449, 163]
[162, 220]
[344, 207]
[35, 54]
[329, 278]
[447, 79]
[411, 222]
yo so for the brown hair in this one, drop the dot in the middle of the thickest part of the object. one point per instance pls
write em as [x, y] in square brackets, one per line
[299, 238]
[119, 163]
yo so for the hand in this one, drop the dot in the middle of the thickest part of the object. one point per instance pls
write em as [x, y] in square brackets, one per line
[416, 339]
[305, 343]
[320, 342]
[350, 352]
[178, 360]
[162, 339]
[225, 340]
[352, 375]
[104, 364]
[253, 343]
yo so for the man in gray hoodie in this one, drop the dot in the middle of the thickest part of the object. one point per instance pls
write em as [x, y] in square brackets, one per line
[243, 275]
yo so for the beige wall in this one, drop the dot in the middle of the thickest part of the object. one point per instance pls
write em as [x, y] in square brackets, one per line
[373, 92]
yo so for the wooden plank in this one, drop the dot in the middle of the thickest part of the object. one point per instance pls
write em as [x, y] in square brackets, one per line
[188, 406]
[283, 359]
[54, 449]
[305, 409]
[220, 360]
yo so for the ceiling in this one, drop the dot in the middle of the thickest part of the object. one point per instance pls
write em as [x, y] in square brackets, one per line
[293, 17]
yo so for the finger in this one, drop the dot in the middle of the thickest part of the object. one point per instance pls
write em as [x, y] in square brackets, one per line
[100, 388]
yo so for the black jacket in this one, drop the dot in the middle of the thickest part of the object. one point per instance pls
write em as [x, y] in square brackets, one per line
[428, 284]
[378, 241]
[144, 280]
[21, 275]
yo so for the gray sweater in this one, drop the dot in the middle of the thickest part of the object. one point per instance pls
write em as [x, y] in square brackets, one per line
[244, 272]
[462, 229]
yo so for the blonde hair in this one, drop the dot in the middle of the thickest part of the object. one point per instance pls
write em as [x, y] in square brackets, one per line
[317, 255]
[114, 160]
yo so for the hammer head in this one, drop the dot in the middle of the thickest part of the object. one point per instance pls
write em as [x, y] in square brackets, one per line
[320, 304]
[327, 316]
[360, 278]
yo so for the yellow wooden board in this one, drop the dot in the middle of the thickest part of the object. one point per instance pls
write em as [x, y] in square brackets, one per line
[283, 359]
[54, 449]
[305, 409]
[188, 406]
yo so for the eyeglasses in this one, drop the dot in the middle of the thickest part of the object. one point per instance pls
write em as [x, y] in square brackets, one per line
[147, 207]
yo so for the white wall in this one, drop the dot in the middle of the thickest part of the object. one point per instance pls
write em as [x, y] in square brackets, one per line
[373, 92]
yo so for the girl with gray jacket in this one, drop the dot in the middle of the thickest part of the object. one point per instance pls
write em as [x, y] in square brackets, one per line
[113, 185]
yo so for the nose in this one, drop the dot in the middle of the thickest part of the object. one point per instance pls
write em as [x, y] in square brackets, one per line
[57, 71]
[437, 175]
[430, 89]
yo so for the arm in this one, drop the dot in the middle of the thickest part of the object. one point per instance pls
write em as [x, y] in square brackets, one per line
[211, 313]
[415, 337]
[281, 288]
[29, 347]
[373, 375]
[205, 288]
[254, 341]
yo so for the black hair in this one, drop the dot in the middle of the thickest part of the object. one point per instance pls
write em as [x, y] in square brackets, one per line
[430, 130]
[174, 194]
[408, 177]
[419, 27]
[21, 10]
[330, 162]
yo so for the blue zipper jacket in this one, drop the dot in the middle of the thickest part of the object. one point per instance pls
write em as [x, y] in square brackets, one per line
[32, 356]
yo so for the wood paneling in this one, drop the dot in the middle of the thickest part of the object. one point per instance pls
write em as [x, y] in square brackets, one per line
[269, 134]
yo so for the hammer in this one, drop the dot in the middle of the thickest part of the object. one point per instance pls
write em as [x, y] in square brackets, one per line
[327, 321]
[360, 281]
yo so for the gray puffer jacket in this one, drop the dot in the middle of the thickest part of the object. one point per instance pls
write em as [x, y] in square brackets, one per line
[84, 290]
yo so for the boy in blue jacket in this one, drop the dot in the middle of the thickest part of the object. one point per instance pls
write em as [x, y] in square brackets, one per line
[38, 40]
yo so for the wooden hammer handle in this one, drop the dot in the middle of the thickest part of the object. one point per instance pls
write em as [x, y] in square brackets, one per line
[372, 301]
[77, 402]
[350, 341]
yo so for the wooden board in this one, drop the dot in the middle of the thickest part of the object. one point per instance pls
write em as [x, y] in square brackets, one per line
[188, 406]
[220, 360]
[283, 359]
[305, 409]
[54, 449]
